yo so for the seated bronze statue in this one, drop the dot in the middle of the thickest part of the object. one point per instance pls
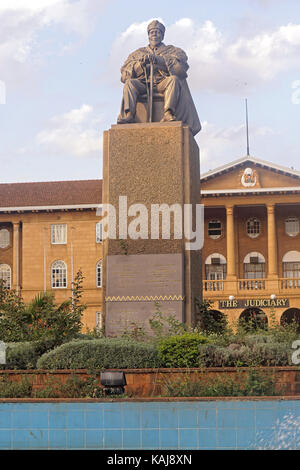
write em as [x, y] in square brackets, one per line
[162, 69]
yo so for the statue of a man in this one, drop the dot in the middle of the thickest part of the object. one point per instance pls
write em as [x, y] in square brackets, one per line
[169, 78]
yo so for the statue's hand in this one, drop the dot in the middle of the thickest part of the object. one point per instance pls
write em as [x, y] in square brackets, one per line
[144, 60]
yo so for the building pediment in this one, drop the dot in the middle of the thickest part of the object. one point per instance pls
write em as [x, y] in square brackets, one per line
[250, 174]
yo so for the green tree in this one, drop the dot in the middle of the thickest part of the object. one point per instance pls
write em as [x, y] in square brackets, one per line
[42, 318]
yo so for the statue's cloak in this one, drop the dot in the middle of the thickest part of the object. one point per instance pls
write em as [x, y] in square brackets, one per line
[176, 63]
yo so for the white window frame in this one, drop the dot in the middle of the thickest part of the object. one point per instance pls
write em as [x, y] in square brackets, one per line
[55, 234]
[99, 232]
[253, 234]
[5, 274]
[99, 320]
[61, 266]
[292, 221]
[6, 242]
[252, 270]
[99, 266]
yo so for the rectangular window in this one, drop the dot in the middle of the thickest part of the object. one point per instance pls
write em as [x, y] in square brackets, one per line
[99, 232]
[59, 234]
[99, 320]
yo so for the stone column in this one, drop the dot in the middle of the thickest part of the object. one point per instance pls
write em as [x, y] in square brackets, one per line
[230, 240]
[272, 243]
[16, 260]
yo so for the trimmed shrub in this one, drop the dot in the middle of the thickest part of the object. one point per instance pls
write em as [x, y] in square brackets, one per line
[24, 355]
[106, 353]
[181, 350]
[255, 354]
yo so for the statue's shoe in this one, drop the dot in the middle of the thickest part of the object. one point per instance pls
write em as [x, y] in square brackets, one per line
[168, 116]
[125, 120]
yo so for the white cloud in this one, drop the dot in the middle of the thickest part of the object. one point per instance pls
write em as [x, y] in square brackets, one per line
[22, 21]
[218, 63]
[75, 133]
[221, 145]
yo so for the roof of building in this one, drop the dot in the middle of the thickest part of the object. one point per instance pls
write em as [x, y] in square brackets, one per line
[253, 160]
[51, 194]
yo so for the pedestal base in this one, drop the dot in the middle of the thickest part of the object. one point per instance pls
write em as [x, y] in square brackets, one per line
[150, 163]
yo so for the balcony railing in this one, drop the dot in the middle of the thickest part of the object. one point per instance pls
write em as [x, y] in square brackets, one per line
[289, 283]
[251, 285]
[213, 285]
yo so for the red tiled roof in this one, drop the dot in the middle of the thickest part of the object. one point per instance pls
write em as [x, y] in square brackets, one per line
[51, 193]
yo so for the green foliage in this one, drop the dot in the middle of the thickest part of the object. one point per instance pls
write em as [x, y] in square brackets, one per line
[113, 353]
[42, 319]
[24, 355]
[135, 331]
[14, 319]
[9, 389]
[210, 321]
[251, 383]
[165, 325]
[74, 387]
[250, 353]
[181, 350]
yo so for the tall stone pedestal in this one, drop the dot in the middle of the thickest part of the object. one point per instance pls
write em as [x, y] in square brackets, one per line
[149, 163]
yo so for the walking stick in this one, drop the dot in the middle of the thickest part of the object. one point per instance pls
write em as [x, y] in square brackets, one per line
[151, 92]
[148, 97]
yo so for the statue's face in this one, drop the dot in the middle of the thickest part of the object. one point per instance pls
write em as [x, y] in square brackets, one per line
[155, 37]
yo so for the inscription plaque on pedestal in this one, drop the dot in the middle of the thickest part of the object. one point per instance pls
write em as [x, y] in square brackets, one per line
[136, 282]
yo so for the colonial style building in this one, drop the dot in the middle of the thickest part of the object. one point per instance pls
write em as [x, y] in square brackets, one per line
[251, 253]
[48, 231]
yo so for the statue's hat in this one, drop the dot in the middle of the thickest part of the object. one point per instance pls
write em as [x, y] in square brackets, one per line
[156, 24]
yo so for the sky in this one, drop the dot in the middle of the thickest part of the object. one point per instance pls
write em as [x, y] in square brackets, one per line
[60, 79]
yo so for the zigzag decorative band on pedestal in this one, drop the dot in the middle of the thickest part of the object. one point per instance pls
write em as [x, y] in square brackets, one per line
[146, 298]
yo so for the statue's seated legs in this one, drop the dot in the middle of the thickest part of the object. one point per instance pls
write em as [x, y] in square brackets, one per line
[165, 93]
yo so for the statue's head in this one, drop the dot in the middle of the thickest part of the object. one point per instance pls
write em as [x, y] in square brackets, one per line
[156, 32]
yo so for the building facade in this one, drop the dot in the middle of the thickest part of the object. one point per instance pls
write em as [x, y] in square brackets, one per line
[250, 257]
[251, 253]
[48, 231]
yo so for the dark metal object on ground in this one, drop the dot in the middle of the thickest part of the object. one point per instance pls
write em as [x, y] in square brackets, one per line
[113, 382]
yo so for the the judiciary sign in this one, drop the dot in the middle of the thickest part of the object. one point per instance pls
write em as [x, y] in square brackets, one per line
[254, 303]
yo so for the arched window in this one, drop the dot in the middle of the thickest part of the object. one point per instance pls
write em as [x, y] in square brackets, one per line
[291, 264]
[5, 275]
[215, 271]
[254, 266]
[253, 227]
[215, 267]
[99, 274]
[291, 269]
[59, 274]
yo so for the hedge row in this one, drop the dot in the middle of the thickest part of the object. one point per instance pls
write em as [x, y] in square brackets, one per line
[113, 353]
[187, 350]
[24, 355]
[259, 354]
